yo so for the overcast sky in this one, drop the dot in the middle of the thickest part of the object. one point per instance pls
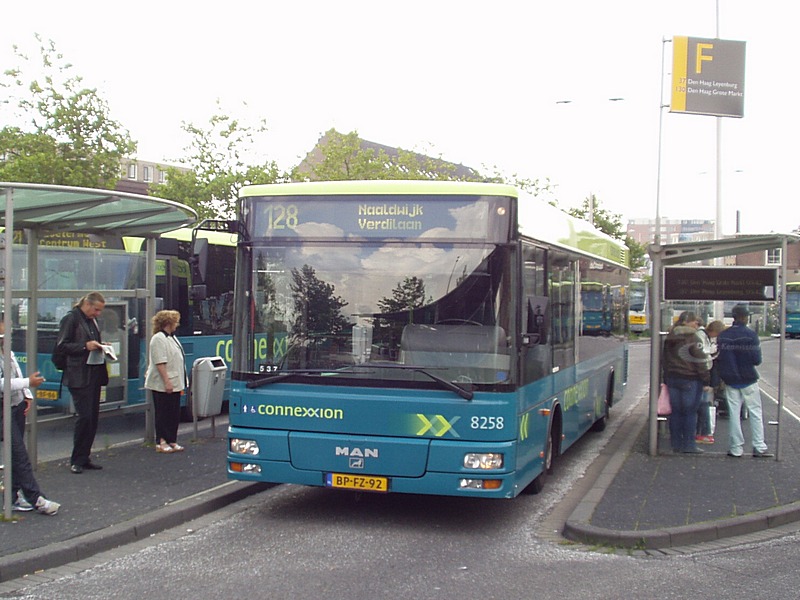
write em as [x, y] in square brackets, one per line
[477, 82]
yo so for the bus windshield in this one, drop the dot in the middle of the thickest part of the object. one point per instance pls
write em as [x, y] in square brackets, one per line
[330, 307]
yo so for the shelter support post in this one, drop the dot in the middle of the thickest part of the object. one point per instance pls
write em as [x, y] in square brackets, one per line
[781, 344]
[6, 244]
[655, 351]
[32, 341]
[150, 310]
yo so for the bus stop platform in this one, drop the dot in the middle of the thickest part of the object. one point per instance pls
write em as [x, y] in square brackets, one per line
[636, 501]
[138, 493]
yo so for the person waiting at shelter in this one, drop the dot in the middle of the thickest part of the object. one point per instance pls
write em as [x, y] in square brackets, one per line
[26, 494]
[708, 335]
[739, 355]
[686, 371]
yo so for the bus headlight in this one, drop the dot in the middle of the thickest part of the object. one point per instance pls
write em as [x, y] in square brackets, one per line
[480, 484]
[239, 446]
[238, 467]
[484, 461]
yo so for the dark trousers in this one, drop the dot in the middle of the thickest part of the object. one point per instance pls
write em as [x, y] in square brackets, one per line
[21, 468]
[168, 415]
[87, 406]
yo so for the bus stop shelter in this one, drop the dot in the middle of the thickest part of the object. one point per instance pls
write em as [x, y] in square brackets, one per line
[676, 254]
[41, 209]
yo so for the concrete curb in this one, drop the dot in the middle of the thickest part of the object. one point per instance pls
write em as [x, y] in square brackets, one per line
[84, 546]
[599, 477]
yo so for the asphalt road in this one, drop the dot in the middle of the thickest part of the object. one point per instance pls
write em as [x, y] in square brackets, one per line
[299, 542]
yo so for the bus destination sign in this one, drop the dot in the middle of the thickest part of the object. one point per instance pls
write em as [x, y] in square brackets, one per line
[437, 217]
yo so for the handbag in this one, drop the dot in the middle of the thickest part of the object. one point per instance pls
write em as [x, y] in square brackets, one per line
[664, 407]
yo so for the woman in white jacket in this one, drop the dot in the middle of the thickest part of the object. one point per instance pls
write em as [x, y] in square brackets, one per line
[166, 378]
[705, 428]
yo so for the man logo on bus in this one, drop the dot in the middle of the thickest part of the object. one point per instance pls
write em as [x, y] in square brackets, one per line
[357, 452]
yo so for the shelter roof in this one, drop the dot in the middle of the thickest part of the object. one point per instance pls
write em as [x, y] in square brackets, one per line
[58, 208]
[683, 252]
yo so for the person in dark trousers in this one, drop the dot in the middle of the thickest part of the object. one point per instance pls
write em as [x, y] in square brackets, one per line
[739, 355]
[708, 335]
[26, 495]
[78, 337]
[686, 371]
[166, 378]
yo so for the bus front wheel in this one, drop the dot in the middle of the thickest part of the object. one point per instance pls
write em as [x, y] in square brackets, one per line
[550, 452]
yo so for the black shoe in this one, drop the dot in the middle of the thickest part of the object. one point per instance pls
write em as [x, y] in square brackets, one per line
[92, 466]
[77, 469]
[732, 455]
[759, 454]
[694, 451]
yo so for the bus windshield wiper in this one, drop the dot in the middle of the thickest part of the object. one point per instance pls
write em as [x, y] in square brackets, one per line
[465, 394]
[286, 374]
[282, 375]
[448, 385]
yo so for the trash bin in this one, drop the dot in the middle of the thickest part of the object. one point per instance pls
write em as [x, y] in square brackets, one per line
[208, 385]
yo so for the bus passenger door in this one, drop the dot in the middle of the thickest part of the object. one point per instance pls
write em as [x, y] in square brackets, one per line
[113, 330]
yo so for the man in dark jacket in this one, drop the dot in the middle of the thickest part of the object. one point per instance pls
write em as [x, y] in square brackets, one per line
[739, 355]
[78, 336]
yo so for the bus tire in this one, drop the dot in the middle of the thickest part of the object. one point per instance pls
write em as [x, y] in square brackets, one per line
[550, 453]
[600, 424]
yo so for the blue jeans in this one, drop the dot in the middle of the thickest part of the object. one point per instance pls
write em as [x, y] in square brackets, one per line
[685, 396]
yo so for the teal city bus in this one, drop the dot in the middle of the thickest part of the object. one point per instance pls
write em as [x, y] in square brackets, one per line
[416, 337]
[596, 308]
[792, 296]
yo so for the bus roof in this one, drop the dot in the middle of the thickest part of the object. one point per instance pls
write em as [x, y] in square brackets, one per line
[542, 221]
[537, 219]
[379, 186]
[184, 234]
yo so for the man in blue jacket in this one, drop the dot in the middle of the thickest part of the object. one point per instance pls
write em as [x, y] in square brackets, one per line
[739, 355]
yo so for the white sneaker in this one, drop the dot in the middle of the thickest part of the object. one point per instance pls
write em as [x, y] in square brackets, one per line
[21, 505]
[47, 507]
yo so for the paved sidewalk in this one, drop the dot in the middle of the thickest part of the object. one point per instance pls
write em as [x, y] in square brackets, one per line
[671, 500]
[139, 492]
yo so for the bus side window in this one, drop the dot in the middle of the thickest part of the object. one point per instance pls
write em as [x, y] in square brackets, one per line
[536, 300]
[537, 354]
[537, 306]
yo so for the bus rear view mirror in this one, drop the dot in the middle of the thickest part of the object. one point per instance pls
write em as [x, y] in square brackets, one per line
[199, 259]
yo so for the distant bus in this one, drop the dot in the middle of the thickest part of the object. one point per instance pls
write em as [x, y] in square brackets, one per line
[416, 337]
[639, 305]
[596, 307]
[88, 262]
[792, 295]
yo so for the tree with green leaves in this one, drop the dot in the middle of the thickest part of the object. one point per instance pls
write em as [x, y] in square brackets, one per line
[340, 157]
[636, 253]
[57, 131]
[216, 167]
